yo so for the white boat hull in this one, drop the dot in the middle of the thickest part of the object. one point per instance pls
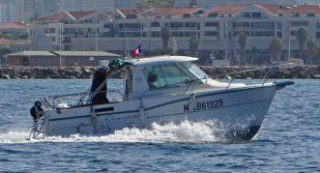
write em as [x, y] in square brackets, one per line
[239, 111]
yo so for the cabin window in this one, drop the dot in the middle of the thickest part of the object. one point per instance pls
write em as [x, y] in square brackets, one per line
[168, 75]
[119, 86]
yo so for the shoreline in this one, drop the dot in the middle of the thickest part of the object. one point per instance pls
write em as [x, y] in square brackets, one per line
[84, 72]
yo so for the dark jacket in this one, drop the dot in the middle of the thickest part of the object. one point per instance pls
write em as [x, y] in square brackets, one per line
[36, 112]
[98, 79]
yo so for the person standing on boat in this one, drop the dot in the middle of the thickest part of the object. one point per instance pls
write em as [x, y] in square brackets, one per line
[99, 81]
[36, 112]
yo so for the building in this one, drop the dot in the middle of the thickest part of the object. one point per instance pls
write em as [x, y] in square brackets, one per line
[206, 4]
[126, 3]
[32, 58]
[6, 11]
[217, 28]
[58, 58]
[15, 34]
[24, 10]
[33, 9]
[95, 5]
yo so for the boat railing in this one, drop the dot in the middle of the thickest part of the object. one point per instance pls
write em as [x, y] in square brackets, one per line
[65, 101]
[263, 79]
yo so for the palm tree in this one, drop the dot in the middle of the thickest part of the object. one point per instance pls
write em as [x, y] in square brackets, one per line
[313, 50]
[302, 36]
[165, 35]
[275, 48]
[193, 45]
[242, 41]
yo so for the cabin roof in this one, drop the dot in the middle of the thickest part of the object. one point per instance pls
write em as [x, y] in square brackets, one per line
[160, 60]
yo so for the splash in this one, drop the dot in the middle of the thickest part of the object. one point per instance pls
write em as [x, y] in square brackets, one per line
[186, 131]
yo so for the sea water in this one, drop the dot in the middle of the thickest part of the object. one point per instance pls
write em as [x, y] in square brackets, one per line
[289, 140]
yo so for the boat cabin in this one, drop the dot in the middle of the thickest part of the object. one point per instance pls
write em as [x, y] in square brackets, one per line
[158, 73]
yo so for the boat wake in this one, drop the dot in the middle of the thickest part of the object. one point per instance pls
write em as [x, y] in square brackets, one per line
[187, 131]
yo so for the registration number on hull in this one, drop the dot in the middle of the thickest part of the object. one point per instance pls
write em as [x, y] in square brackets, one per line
[211, 104]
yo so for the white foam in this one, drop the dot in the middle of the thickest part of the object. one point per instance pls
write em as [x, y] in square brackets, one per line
[185, 132]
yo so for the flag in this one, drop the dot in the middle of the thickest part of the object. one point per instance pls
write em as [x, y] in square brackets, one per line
[137, 52]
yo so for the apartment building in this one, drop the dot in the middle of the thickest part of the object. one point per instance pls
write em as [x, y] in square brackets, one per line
[218, 29]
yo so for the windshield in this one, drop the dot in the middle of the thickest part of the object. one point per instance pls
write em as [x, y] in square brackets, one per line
[169, 75]
[195, 70]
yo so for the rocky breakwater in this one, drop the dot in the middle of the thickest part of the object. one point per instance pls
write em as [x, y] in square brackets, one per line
[297, 72]
[294, 72]
[46, 72]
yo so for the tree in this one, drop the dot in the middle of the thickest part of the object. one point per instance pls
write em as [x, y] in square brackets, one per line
[165, 35]
[313, 50]
[242, 41]
[194, 45]
[145, 4]
[275, 48]
[302, 37]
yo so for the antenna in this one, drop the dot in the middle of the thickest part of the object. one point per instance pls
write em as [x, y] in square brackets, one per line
[125, 32]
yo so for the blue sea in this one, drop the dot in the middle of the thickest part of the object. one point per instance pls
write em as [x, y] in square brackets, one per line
[289, 140]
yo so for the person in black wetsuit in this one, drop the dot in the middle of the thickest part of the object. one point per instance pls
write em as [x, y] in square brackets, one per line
[36, 111]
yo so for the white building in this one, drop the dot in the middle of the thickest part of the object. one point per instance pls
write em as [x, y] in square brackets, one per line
[217, 28]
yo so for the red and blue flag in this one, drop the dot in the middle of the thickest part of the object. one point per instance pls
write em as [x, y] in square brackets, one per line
[137, 52]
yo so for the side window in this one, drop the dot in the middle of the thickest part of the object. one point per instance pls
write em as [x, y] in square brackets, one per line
[166, 75]
[117, 87]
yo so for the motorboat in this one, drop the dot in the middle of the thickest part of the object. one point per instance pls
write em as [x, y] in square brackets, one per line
[162, 89]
